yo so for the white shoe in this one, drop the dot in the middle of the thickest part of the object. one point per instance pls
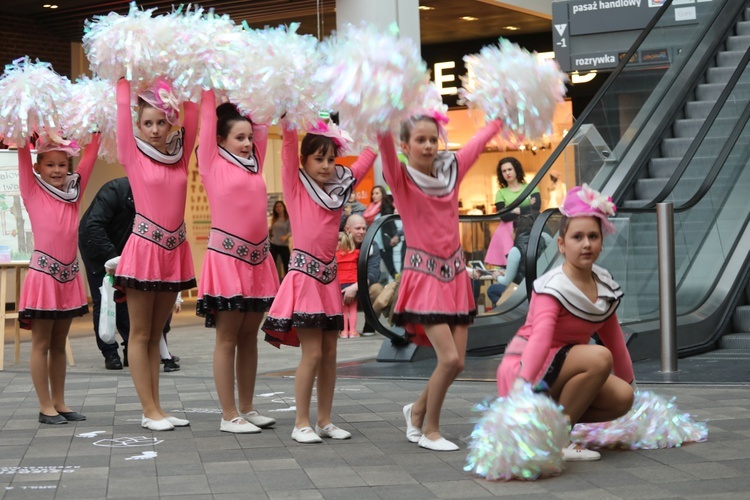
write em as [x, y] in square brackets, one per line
[238, 426]
[333, 432]
[156, 425]
[305, 435]
[441, 444]
[413, 433]
[258, 420]
[576, 453]
[178, 422]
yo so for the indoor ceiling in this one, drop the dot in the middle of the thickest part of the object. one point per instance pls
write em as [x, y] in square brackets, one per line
[317, 17]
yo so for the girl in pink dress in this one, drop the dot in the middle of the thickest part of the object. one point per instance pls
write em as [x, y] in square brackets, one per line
[52, 293]
[156, 262]
[307, 310]
[239, 278]
[435, 301]
[347, 256]
[569, 304]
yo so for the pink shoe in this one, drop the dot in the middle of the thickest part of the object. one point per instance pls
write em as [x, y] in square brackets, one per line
[344, 335]
[353, 334]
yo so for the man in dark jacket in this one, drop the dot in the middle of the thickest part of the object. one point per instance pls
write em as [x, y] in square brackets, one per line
[104, 229]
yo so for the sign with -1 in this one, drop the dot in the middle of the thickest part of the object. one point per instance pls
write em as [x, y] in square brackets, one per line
[561, 35]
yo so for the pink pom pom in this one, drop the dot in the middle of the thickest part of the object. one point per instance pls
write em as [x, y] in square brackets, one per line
[509, 83]
[652, 423]
[519, 437]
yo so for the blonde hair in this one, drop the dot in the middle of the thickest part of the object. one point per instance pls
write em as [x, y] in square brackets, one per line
[346, 243]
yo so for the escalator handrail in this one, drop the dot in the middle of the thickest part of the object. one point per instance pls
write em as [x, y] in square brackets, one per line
[695, 145]
[579, 122]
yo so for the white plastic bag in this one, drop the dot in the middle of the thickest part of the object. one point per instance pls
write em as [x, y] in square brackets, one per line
[107, 324]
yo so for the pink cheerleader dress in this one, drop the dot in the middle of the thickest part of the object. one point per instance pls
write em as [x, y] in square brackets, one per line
[236, 274]
[435, 287]
[560, 317]
[53, 288]
[157, 256]
[310, 295]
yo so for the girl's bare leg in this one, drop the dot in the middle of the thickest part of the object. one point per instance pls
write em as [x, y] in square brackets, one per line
[57, 363]
[311, 342]
[326, 377]
[247, 360]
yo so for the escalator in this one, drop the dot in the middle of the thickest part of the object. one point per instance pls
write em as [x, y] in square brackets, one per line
[687, 144]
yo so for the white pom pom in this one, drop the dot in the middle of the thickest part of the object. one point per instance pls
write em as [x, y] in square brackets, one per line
[507, 82]
[652, 423]
[32, 97]
[135, 46]
[93, 108]
[519, 437]
[207, 51]
[374, 79]
[277, 77]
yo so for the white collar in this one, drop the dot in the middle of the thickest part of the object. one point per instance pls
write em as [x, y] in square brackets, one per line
[335, 193]
[71, 187]
[174, 148]
[442, 181]
[249, 164]
[557, 284]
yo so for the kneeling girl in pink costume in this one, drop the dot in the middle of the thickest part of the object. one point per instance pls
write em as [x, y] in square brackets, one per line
[435, 301]
[308, 309]
[156, 262]
[239, 278]
[52, 293]
[569, 304]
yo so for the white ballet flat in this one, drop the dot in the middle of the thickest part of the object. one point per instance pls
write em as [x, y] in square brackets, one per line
[156, 425]
[238, 426]
[413, 433]
[305, 435]
[331, 431]
[576, 453]
[441, 444]
[258, 420]
[178, 422]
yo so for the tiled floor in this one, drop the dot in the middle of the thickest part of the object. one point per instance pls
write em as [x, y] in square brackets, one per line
[111, 456]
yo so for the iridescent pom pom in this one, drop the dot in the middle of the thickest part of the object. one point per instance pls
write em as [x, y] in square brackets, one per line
[520, 436]
[208, 52]
[507, 82]
[32, 96]
[652, 423]
[374, 79]
[92, 107]
[275, 77]
[136, 46]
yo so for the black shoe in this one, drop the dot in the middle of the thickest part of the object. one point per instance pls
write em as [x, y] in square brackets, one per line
[72, 416]
[112, 362]
[51, 419]
[170, 365]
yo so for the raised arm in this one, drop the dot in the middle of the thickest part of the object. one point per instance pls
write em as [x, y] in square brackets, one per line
[260, 143]
[289, 162]
[207, 149]
[614, 340]
[126, 148]
[26, 182]
[86, 165]
[389, 159]
[535, 203]
[546, 311]
[190, 123]
[362, 164]
[471, 151]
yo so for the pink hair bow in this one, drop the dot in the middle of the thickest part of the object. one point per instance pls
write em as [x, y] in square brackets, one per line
[582, 201]
[340, 137]
[57, 143]
[163, 98]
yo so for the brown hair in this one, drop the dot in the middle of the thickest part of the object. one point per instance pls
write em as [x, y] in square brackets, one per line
[408, 125]
[516, 166]
[565, 221]
[275, 216]
[227, 115]
[312, 143]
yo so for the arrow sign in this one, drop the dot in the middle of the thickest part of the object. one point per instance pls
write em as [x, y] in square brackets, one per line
[560, 28]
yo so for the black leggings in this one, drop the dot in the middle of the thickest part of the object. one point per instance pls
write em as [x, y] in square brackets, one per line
[283, 252]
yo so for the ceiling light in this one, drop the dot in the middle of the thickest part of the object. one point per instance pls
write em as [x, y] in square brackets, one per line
[53, 6]
[511, 28]
[469, 18]
[46, 6]
[426, 7]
